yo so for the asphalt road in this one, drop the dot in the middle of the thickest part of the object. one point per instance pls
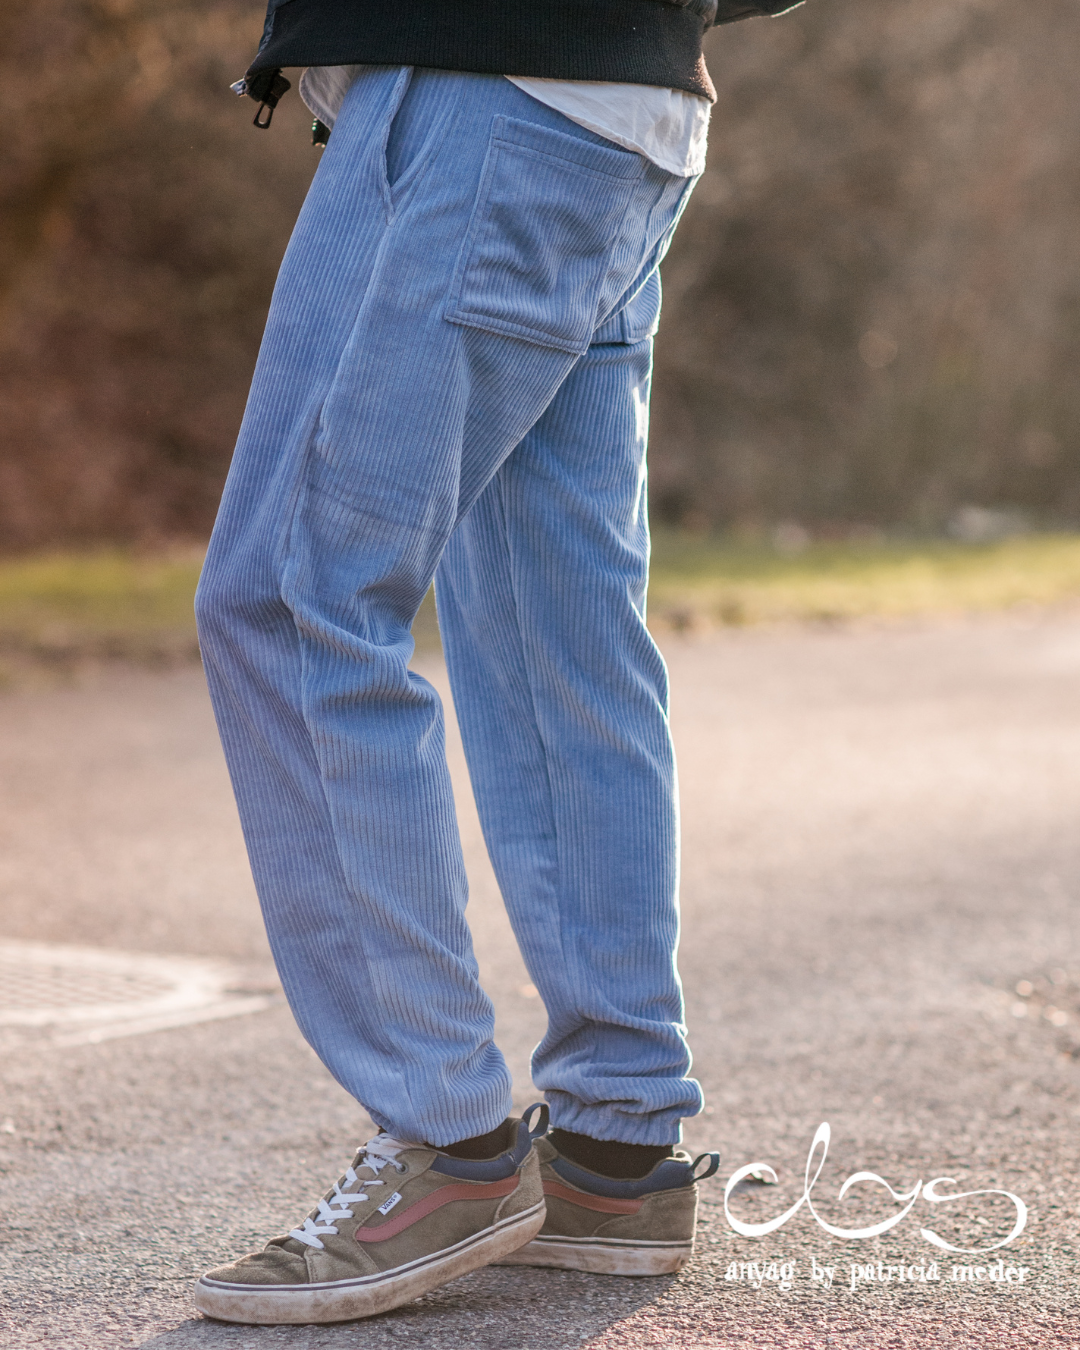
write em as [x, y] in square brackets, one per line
[880, 843]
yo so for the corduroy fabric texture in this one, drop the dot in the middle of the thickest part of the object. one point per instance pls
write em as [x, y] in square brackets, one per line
[456, 369]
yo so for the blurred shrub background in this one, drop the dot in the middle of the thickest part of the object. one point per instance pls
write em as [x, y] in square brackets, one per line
[873, 304]
[142, 219]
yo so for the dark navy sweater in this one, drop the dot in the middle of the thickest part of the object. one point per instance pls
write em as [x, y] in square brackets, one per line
[654, 42]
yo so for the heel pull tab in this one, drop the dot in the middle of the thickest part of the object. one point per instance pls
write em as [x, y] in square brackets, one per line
[543, 1117]
[714, 1166]
[266, 88]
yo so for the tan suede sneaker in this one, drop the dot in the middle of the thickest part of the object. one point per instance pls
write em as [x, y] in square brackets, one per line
[403, 1219]
[643, 1227]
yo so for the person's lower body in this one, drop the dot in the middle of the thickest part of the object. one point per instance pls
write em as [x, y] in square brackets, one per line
[454, 379]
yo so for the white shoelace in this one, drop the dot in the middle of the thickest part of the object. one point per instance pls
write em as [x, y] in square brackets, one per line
[375, 1155]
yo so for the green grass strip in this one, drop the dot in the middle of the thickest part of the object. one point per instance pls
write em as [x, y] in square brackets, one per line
[68, 606]
[731, 583]
[64, 606]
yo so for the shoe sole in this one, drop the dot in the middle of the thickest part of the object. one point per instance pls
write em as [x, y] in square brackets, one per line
[346, 1300]
[603, 1256]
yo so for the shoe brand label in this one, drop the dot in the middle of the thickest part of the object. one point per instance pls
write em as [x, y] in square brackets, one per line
[388, 1205]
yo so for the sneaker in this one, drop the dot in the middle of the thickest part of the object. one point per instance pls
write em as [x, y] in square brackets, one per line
[403, 1219]
[642, 1227]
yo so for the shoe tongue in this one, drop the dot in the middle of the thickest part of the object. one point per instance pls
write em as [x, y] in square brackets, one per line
[366, 1169]
[376, 1164]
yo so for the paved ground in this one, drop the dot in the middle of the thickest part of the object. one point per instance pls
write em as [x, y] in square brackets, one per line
[880, 844]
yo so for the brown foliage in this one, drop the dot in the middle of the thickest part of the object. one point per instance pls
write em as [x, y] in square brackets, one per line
[141, 222]
[873, 304]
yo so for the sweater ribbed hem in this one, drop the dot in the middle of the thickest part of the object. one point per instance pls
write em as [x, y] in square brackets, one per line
[622, 41]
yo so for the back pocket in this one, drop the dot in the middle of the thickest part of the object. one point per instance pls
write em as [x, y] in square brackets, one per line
[546, 220]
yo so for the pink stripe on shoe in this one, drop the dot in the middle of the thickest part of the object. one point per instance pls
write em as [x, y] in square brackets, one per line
[466, 1190]
[601, 1203]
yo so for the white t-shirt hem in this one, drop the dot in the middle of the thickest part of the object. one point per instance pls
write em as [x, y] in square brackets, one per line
[668, 126]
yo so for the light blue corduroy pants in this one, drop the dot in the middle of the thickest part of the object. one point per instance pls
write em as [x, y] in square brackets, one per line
[455, 377]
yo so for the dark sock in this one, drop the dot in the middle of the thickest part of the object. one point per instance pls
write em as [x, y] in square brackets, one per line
[620, 1162]
[480, 1147]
